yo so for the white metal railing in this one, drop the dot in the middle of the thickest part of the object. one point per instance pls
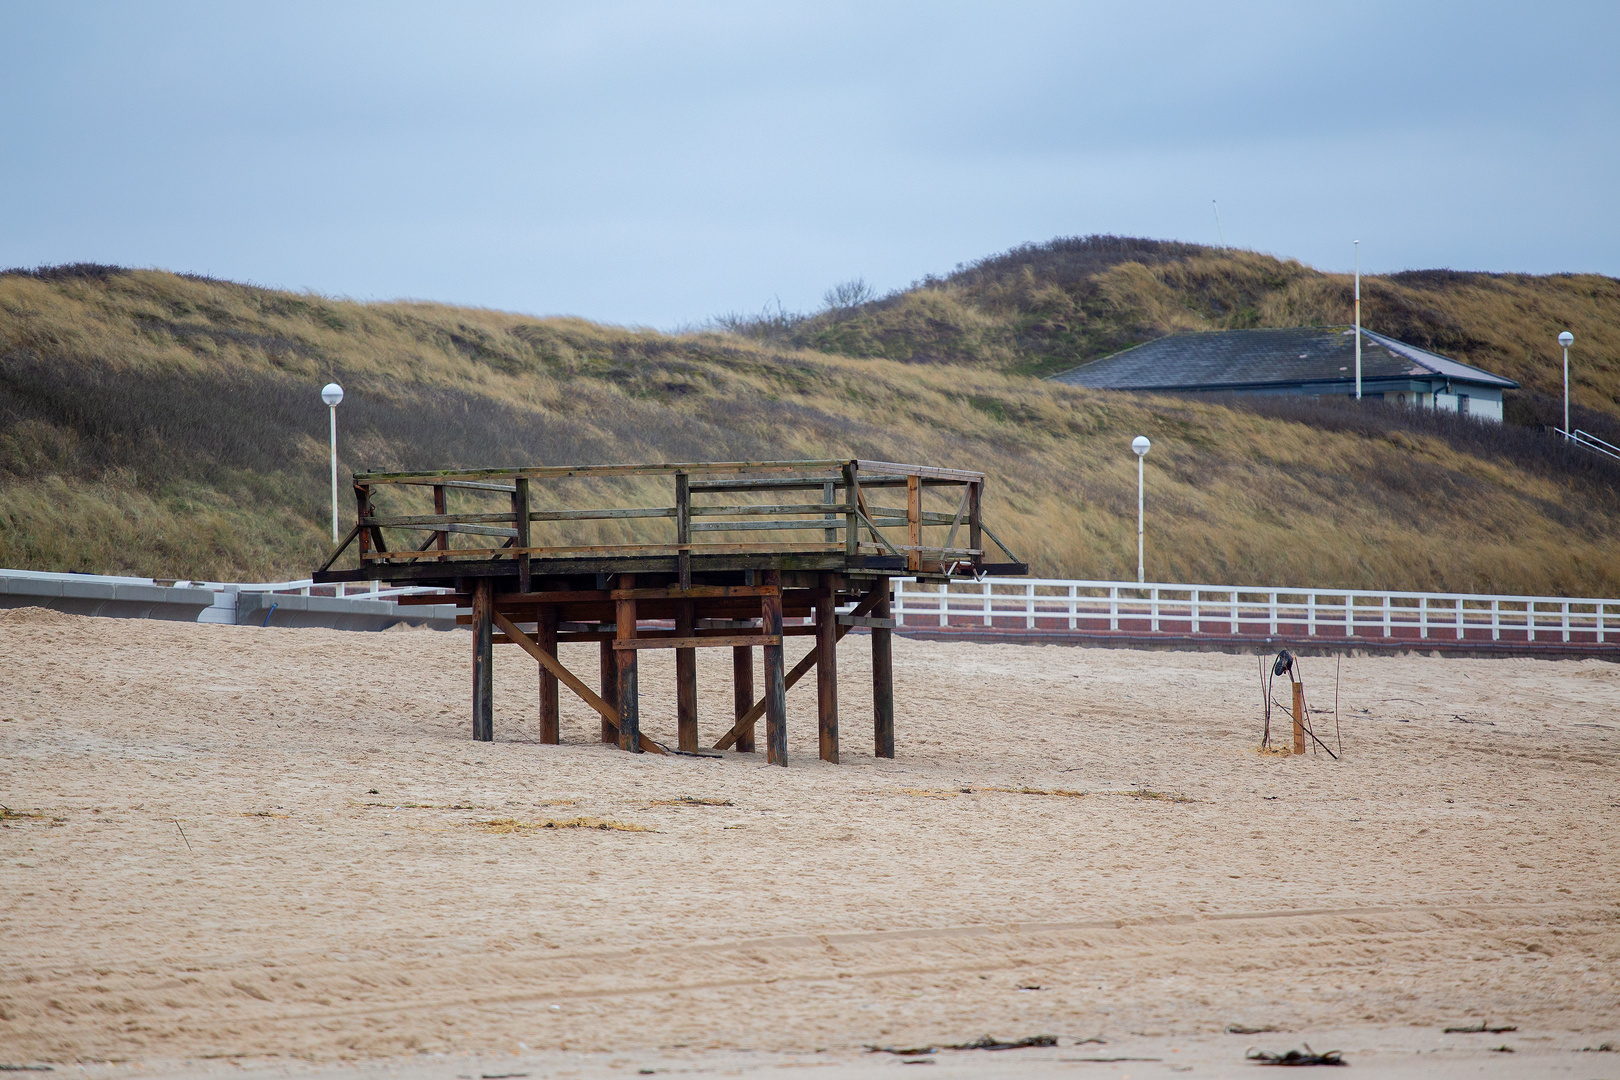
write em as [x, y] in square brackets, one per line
[1591, 442]
[358, 590]
[1234, 610]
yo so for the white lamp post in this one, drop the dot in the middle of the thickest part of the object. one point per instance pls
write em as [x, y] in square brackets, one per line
[1566, 339]
[1358, 320]
[1141, 446]
[332, 394]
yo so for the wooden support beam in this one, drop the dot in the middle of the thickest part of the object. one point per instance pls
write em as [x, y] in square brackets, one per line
[699, 641]
[683, 528]
[686, 719]
[975, 530]
[624, 612]
[827, 670]
[748, 719]
[1299, 717]
[868, 621]
[568, 678]
[882, 674]
[742, 695]
[520, 510]
[609, 664]
[483, 691]
[914, 521]
[441, 508]
[695, 592]
[775, 684]
[550, 717]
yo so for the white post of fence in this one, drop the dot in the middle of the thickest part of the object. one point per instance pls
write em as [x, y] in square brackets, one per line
[1113, 607]
[1423, 616]
[1153, 610]
[1074, 598]
[1600, 608]
[1530, 619]
[1310, 614]
[1195, 611]
[1273, 614]
[944, 604]
[985, 602]
[1565, 608]
[1234, 597]
[898, 610]
[1459, 618]
[1029, 607]
[1386, 615]
[1496, 620]
[1350, 614]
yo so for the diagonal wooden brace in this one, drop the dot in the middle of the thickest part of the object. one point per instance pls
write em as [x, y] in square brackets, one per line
[566, 677]
[800, 670]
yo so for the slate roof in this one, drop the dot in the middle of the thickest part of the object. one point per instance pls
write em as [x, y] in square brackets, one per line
[1258, 359]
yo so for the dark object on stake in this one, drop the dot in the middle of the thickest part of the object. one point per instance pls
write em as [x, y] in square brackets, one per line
[989, 1042]
[1306, 1056]
[1479, 1028]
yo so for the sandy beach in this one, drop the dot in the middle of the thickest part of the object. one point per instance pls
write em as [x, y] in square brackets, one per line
[231, 848]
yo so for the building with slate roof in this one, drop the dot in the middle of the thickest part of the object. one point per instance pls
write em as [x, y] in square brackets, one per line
[1299, 360]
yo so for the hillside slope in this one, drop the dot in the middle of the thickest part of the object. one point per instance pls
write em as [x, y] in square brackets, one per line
[168, 425]
[1043, 308]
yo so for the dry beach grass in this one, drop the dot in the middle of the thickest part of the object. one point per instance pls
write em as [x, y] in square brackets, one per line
[281, 843]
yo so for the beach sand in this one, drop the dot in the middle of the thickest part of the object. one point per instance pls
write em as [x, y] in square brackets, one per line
[233, 848]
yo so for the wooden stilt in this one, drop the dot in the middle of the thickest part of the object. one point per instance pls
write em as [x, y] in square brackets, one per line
[827, 670]
[1299, 717]
[742, 696]
[550, 719]
[882, 677]
[520, 512]
[686, 722]
[483, 610]
[629, 704]
[775, 677]
[610, 690]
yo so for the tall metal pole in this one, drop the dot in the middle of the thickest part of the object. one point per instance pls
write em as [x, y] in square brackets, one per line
[333, 409]
[1141, 570]
[1358, 320]
[1566, 339]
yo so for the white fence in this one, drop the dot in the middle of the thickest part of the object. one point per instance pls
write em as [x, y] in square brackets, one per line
[1223, 610]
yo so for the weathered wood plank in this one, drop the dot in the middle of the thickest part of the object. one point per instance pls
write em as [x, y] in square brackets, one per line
[558, 472]
[611, 549]
[401, 521]
[746, 510]
[695, 592]
[882, 674]
[826, 627]
[483, 692]
[624, 617]
[929, 471]
[609, 666]
[757, 526]
[775, 684]
[550, 716]
[914, 520]
[867, 621]
[742, 695]
[686, 702]
[700, 641]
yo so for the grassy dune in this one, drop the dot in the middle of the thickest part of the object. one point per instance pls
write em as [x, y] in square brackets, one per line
[169, 425]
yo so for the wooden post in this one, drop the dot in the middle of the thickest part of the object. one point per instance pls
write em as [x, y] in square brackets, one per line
[882, 677]
[362, 510]
[742, 693]
[683, 531]
[852, 536]
[483, 705]
[686, 722]
[914, 521]
[975, 533]
[441, 540]
[610, 689]
[546, 635]
[775, 677]
[520, 510]
[1299, 717]
[829, 535]
[629, 703]
[827, 669]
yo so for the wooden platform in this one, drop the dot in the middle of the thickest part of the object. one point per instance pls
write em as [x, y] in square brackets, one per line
[804, 542]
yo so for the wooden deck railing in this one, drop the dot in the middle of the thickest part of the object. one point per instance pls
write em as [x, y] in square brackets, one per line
[715, 508]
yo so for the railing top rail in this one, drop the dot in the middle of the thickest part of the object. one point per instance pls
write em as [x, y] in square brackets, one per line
[552, 472]
[1024, 584]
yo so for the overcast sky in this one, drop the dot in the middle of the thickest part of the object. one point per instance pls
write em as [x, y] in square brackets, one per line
[657, 164]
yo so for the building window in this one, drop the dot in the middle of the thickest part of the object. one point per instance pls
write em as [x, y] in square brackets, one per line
[1462, 404]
